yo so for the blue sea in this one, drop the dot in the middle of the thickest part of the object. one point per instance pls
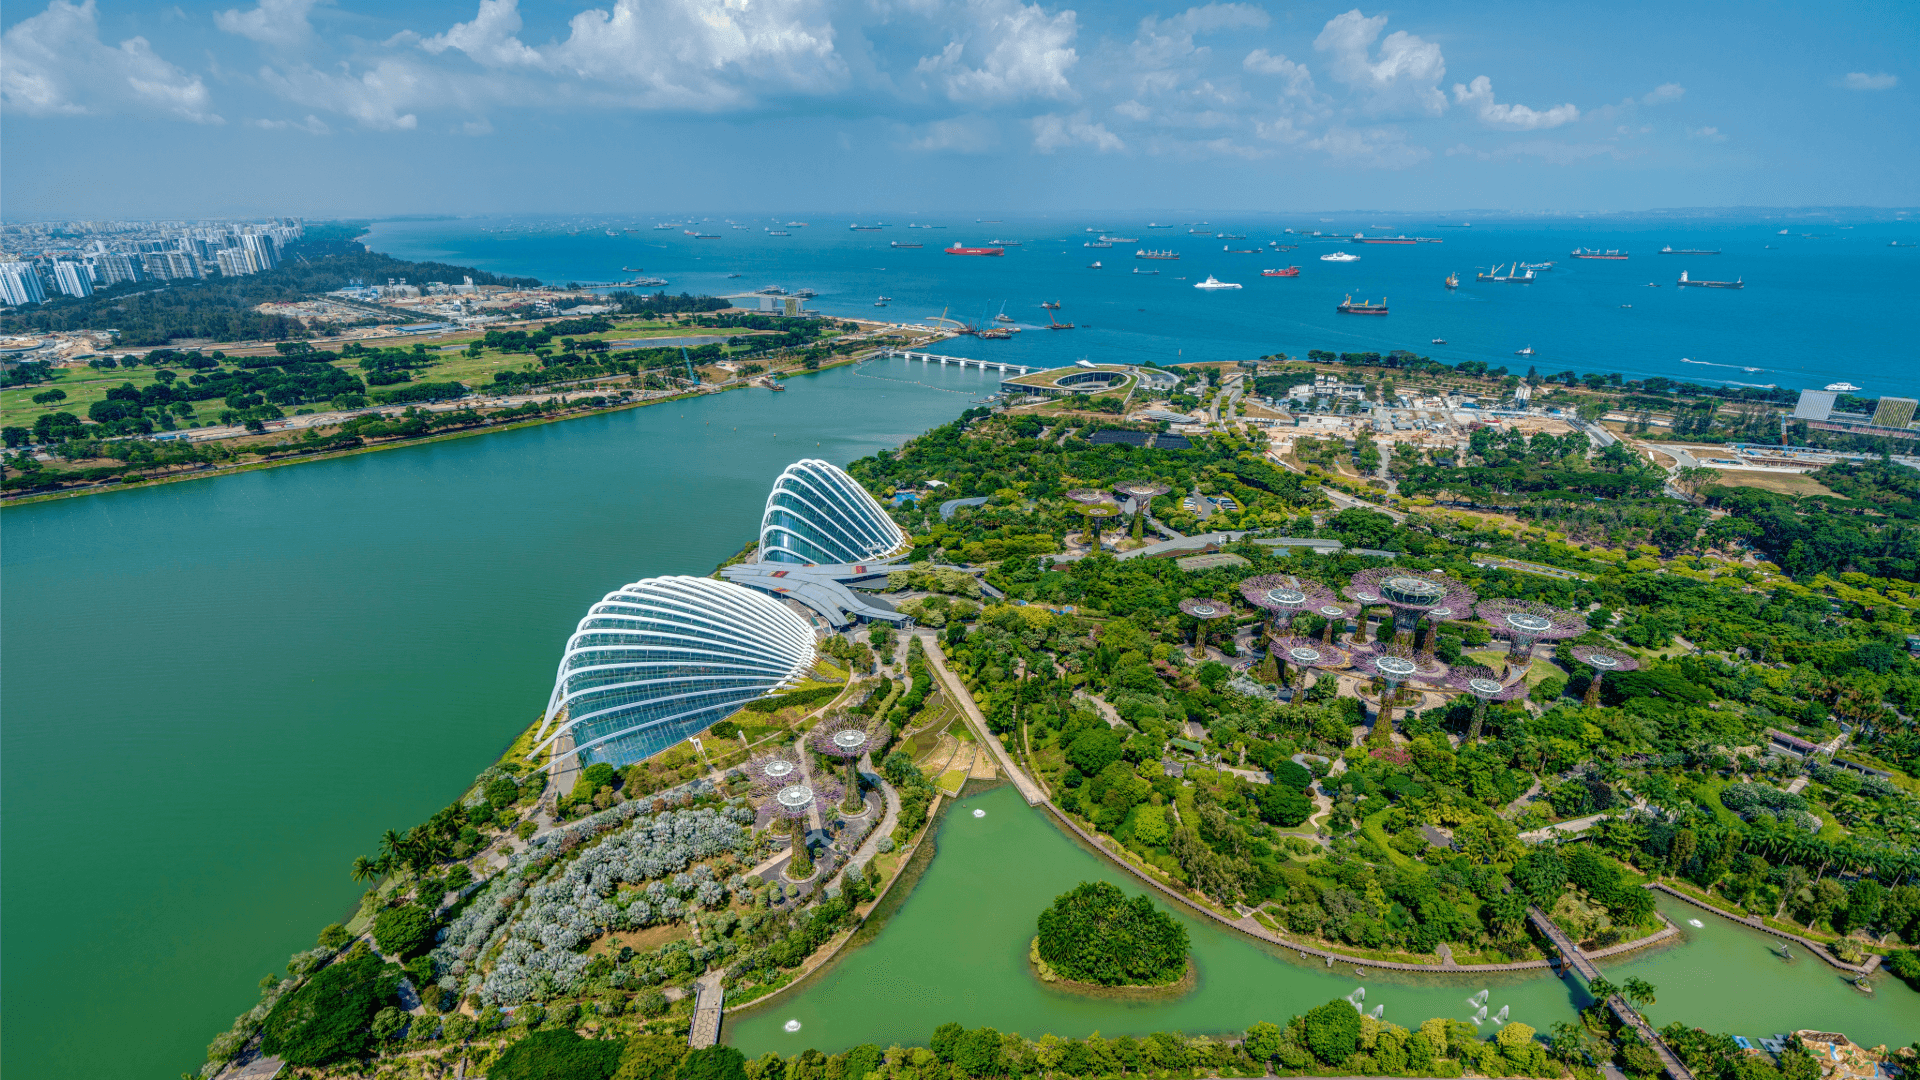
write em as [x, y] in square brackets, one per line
[1826, 301]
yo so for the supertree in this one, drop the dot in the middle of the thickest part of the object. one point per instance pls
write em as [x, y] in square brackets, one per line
[1097, 514]
[1336, 615]
[1485, 686]
[771, 770]
[1601, 661]
[1203, 611]
[1524, 622]
[1394, 664]
[846, 737]
[1274, 593]
[1412, 595]
[1089, 496]
[1304, 653]
[1141, 492]
[795, 802]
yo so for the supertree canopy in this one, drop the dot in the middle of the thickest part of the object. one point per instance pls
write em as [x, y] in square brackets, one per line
[1274, 593]
[1089, 496]
[1394, 664]
[1336, 614]
[1142, 492]
[1602, 661]
[847, 737]
[771, 770]
[795, 802]
[1304, 653]
[1485, 686]
[1413, 595]
[1205, 611]
[1524, 622]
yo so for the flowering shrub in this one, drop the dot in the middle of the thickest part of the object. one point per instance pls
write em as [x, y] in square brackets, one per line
[560, 893]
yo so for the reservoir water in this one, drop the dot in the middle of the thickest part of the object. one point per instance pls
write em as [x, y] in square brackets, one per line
[957, 950]
[217, 693]
[1820, 305]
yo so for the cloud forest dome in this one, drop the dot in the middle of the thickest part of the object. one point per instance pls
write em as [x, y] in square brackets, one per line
[816, 513]
[660, 659]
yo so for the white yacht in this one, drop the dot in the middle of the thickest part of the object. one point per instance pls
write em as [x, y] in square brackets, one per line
[1340, 256]
[1214, 283]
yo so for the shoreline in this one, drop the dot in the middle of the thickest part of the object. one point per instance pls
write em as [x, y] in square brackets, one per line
[216, 471]
[1189, 978]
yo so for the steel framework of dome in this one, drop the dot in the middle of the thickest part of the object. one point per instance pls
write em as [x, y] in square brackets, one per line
[658, 660]
[1524, 622]
[817, 514]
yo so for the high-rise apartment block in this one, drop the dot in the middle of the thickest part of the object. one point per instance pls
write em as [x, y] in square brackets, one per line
[72, 278]
[20, 284]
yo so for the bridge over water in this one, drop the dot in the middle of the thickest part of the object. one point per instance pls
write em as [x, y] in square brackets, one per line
[1571, 956]
[963, 361]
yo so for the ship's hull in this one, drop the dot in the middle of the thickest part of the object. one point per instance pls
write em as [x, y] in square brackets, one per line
[1711, 284]
[1291, 271]
[975, 251]
[1607, 257]
[1360, 309]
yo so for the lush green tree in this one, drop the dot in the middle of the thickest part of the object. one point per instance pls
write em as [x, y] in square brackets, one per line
[1333, 1031]
[1283, 805]
[1094, 933]
[329, 1018]
[334, 936]
[559, 1054]
[388, 1023]
[1095, 750]
[1263, 1040]
[405, 931]
[712, 1063]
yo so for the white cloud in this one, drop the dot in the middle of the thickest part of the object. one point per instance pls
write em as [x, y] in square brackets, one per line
[1405, 76]
[312, 125]
[54, 64]
[1860, 80]
[1298, 80]
[1374, 148]
[677, 54]
[1021, 51]
[482, 126]
[1707, 134]
[960, 135]
[377, 98]
[1664, 93]
[280, 23]
[1053, 131]
[1133, 110]
[1480, 96]
[1170, 41]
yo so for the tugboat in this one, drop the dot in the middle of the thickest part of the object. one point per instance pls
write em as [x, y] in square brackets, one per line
[1453, 281]
[1364, 307]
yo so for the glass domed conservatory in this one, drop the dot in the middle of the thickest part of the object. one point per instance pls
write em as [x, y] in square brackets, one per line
[660, 659]
[818, 514]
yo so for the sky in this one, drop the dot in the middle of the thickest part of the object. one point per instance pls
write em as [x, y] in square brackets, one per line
[331, 108]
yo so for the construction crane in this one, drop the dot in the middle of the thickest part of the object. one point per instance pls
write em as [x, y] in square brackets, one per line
[1053, 319]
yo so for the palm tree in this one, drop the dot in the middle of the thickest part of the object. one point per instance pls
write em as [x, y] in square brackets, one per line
[391, 843]
[1601, 989]
[1640, 991]
[364, 868]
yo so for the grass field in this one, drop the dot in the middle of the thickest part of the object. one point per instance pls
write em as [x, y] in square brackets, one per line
[85, 385]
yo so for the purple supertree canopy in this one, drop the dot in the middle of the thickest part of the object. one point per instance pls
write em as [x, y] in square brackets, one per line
[1306, 652]
[1205, 608]
[1603, 661]
[1144, 491]
[796, 799]
[1089, 496]
[841, 735]
[1271, 592]
[1415, 591]
[1482, 682]
[1394, 663]
[771, 770]
[1526, 621]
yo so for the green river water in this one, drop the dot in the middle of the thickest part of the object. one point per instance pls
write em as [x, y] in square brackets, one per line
[217, 693]
[957, 950]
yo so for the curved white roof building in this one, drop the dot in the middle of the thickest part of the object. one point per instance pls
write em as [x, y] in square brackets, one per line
[818, 514]
[660, 659]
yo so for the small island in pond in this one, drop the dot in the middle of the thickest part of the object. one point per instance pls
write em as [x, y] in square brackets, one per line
[1095, 936]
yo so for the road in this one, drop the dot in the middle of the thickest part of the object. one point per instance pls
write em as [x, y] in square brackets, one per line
[1347, 502]
[957, 690]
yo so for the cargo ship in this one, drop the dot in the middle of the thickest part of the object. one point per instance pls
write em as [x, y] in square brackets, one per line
[1231, 250]
[1360, 238]
[1291, 271]
[1004, 243]
[866, 228]
[1514, 275]
[1364, 307]
[1684, 281]
[908, 244]
[957, 249]
[1119, 239]
[1671, 250]
[1148, 253]
[1592, 253]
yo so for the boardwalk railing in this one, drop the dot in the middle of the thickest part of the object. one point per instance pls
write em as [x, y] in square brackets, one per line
[1574, 958]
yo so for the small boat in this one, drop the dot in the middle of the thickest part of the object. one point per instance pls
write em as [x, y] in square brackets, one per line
[1453, 281]
[1653, 284]
[633, 269]
[1137, 270]
[1783, 232]
[1095, 265]
[1340, 256]
[731, 276]
[885, 299]
[1528, 351]
[1214, 283]
[1439, 341]
[1364, 307]
[1291, 271]
[1840, 387]
[1003, 316]
[1237, 251]
[796, 224]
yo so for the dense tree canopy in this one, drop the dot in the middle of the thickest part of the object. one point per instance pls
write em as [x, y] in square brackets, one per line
[1094, 933]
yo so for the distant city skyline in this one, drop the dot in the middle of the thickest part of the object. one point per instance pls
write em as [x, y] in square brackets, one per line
[318, 109]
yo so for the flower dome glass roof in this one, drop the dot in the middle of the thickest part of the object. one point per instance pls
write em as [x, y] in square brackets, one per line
[660, 659]
[818, 514]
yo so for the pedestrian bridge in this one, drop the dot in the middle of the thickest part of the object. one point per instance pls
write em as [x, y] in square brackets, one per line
[963, 361]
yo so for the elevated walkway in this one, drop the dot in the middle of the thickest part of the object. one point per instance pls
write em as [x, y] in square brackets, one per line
[824, 589]
[1571, 956]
